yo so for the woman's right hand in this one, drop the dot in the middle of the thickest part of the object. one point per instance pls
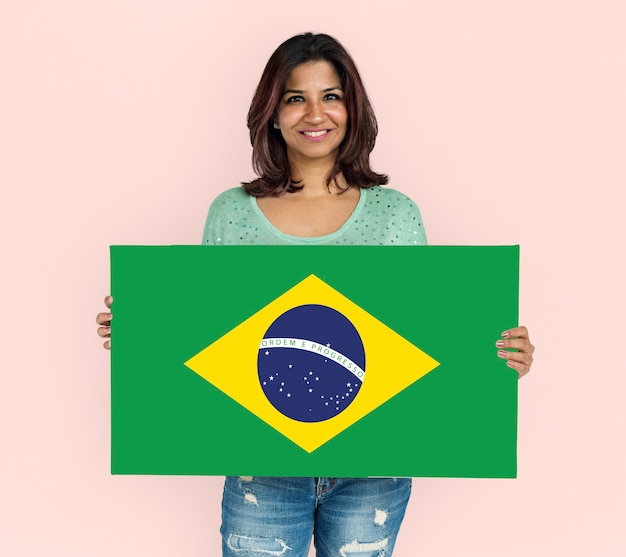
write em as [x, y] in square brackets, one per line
[104, 320]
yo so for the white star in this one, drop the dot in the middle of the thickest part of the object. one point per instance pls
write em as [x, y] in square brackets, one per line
[290, 366]
[271, 378]
[317, 378]
[348, 384]
[264, 382]
[282, 383]
[288, 395]
[310, 390]
[267, 353]
[280, 390]
[328, 345]
[310, 373]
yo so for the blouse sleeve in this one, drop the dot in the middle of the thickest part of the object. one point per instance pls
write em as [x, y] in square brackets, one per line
[404, 226]
[211, 231]
[416, 231]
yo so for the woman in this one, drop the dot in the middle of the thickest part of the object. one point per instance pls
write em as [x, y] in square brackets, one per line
[312, 129]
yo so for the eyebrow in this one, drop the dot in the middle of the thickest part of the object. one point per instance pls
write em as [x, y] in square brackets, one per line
[300, 91]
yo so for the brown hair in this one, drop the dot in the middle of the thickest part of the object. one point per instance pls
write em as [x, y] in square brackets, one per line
[269, 152]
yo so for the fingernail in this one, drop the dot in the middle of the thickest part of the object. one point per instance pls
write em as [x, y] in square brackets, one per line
[505, 334]
[499, 343]
[501, 353]
[108, 315]
[509, 363]
[107, 330]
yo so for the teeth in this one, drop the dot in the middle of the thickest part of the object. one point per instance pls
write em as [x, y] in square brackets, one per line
[315, 134]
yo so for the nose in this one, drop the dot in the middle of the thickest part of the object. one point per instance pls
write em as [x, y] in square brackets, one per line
[315, 112]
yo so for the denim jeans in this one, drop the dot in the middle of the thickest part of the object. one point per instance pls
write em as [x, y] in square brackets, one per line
[347, 517]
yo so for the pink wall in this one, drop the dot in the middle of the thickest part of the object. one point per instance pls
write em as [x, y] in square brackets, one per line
[121, 120]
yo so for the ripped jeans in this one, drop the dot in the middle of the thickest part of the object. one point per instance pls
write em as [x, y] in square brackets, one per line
[347, 517]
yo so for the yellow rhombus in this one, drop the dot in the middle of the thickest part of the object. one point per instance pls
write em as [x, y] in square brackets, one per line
[230, 364]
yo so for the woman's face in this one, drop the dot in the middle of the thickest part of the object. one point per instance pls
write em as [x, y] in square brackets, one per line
[312, 114]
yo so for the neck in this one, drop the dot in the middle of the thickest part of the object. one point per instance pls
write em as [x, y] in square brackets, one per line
[312, 176]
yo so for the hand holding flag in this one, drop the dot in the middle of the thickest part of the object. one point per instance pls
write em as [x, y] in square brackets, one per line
[104, 320]
[516, 339]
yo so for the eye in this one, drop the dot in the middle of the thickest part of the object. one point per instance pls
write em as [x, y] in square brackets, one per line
[332, 97]
[294, 99]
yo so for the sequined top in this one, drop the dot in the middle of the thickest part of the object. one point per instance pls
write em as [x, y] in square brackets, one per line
[382, 217]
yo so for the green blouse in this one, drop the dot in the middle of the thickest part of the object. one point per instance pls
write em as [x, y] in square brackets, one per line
[382, 217]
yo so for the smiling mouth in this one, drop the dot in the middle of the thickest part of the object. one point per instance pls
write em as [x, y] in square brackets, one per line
[317, 133]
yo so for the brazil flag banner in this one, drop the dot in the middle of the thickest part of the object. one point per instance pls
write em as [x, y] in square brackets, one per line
[329, 361]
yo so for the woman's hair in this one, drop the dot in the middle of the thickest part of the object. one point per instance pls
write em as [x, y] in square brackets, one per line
[269, 151]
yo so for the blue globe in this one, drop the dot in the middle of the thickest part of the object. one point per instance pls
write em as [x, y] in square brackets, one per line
[311, 363]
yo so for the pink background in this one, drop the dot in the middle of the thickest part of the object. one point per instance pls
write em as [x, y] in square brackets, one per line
[119, 123]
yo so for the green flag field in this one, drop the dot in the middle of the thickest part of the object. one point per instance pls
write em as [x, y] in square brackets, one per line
[329, 361]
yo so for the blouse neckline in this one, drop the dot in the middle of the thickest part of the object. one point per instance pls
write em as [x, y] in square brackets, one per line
[311, 239]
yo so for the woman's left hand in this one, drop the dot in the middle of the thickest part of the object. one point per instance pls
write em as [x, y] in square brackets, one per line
[516, 338]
